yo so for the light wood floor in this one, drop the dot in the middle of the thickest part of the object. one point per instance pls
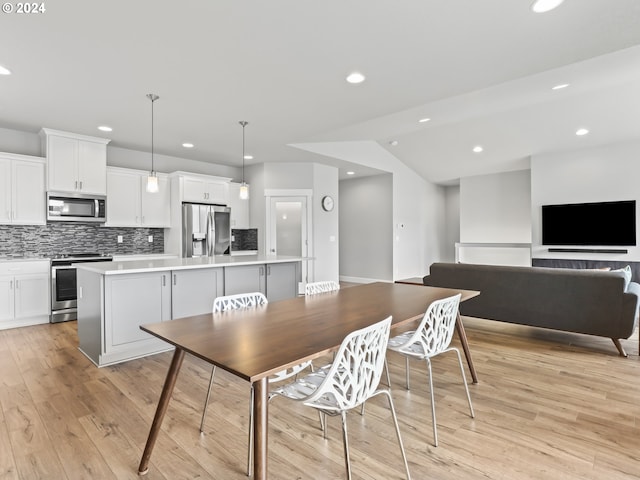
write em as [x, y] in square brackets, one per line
[549, 405]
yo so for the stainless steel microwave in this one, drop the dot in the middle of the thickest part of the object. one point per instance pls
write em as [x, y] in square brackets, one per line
[76, 207]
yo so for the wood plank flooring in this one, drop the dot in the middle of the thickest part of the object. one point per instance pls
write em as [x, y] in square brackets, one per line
[549, 405]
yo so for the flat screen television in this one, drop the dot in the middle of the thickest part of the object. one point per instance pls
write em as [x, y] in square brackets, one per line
[590, 224]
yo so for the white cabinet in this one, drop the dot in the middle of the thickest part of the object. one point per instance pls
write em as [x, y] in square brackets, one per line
[130, 205]
[193, 291]
[204, 190]
[24, 293]
[239, 207]
[76, 163]
[22, 194]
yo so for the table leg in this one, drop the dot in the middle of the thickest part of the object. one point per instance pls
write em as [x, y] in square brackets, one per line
[163, 403]
[260, 428]
[465, 346]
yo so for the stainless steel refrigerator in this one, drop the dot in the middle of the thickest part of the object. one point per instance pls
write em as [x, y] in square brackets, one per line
[206, 230]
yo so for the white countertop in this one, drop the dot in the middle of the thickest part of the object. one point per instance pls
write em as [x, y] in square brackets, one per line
[145, 266]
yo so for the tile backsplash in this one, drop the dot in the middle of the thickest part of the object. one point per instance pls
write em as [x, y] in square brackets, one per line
[51, 239]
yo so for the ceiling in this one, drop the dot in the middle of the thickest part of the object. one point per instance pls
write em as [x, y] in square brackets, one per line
[481, 70]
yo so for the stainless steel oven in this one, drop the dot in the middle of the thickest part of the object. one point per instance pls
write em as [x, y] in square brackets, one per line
[64, 299]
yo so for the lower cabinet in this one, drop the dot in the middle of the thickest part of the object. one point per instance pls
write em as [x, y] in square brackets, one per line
[24, 293]
[282, 281]
[244, 279]
[278, 281]
[193, 291]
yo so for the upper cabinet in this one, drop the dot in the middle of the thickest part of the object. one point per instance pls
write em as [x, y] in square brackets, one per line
[205, 189]
[22, 190]
[76, 163]
[130, 205]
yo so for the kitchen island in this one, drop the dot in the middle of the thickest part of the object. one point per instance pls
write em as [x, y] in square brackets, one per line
[115, 298]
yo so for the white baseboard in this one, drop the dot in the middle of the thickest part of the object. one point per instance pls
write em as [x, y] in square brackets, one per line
[361, 279]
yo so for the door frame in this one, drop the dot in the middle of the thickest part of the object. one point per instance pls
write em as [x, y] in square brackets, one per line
[307, 194]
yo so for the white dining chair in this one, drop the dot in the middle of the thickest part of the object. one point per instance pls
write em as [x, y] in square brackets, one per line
[234, 302]
[432, 337]
[349, 381]
[314, 288]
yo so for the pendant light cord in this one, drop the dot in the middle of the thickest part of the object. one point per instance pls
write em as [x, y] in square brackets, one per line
[244, 124]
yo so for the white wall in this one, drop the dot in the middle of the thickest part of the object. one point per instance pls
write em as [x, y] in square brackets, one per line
[419, 209]
[495, 219]
[321, 180]
[496, 208]
[326, 232]
[366, 228]
[606, 173]
[452, 224]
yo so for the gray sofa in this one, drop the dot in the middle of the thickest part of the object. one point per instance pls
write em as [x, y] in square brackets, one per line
[581, 301]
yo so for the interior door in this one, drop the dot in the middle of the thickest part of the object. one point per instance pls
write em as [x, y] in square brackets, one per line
[288, 232]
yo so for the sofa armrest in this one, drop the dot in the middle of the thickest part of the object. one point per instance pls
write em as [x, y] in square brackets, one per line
[633, 291]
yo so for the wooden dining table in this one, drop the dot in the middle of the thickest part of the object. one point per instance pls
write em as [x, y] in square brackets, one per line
[258, 342]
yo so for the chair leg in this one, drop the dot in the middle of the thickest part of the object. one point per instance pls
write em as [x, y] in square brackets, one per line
[464, 380]
[345, 440]
[206, 402]
[250, 453]
[386, 369]
[433, 404]
[406, 366]
[395, 423]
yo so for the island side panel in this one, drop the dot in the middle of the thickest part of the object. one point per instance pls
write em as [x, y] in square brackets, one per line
[90, 308]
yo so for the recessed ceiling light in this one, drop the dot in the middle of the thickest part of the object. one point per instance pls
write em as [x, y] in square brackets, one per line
[478, 149]
[581, 131]
[355, 77]
[351, 173]
[393, 143]
[4, 70]
[187, 145]
[560, 87]
[105, 128]
[541, 6]
[248, 157]
[424, 120]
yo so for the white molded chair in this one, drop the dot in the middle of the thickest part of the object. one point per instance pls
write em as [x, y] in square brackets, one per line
[431, 338]
[349, 381]
[321, 287]
[234, 302]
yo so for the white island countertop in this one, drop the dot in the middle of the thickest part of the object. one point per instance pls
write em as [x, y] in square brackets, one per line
[142, 266]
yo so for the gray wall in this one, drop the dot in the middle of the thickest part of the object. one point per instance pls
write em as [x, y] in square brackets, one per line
[366, 228]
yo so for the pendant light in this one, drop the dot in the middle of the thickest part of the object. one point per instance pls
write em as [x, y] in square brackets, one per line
[152, 179]
[244, 188]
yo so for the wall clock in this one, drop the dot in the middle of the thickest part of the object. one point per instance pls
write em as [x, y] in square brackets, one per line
[327, 203]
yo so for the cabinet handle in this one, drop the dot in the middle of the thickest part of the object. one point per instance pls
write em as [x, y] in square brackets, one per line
[261, 271]
[76, 185]
[164, 280]
[174, 279]
[268, 269]
[80, 184]
[10, 284]
[17, 284]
